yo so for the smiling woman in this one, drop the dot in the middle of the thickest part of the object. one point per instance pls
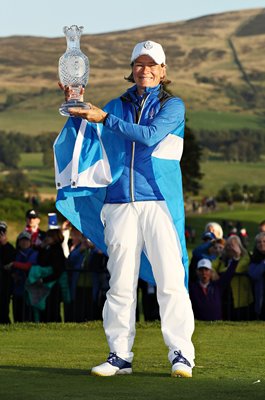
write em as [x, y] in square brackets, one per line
[142, 134]
[147, 73]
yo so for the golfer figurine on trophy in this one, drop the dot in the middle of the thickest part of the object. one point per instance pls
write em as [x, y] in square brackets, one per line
[73, 69]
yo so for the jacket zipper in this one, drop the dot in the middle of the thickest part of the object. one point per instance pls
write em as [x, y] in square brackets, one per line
[138, 118]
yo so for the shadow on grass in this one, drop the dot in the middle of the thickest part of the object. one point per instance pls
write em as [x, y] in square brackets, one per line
[58, 371]
[29, 382]
[76, 372]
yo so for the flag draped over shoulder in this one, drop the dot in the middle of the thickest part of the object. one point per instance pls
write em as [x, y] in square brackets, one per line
[89, 157]
[83, 170]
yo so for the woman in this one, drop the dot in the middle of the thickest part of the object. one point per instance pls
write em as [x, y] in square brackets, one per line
[239, 305]
[51, 255]
[256, 272]
[142, 214]
[26, 256]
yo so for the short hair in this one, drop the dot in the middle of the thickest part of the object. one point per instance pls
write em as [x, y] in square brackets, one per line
[218, 230]
[56, 235]
[259, 236]
[261, 225]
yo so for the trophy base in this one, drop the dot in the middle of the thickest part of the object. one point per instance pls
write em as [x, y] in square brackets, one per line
[63, 110]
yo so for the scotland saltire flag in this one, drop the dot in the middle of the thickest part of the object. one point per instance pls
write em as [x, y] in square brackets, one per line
[89, 157]
[83, 170]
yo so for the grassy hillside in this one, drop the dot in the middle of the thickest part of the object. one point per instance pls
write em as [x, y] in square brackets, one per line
[221, 120]
[34, 122]
[220, 173]
[216, 174]
[216, 64]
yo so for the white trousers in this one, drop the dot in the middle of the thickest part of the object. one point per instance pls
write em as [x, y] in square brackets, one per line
[131, 228]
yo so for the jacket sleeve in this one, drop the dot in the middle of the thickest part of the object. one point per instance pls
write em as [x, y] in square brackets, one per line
[226, 276]
[167, 120]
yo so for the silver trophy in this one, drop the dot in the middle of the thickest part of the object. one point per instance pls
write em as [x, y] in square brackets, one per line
[73, 69]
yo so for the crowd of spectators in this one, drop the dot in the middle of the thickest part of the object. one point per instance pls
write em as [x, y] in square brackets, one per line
[59, 275]
[50, 276]
[227, 280]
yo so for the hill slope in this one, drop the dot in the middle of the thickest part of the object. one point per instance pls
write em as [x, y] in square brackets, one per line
[216, 63]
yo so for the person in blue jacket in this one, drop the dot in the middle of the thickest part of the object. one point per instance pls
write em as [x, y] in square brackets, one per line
[141, 211]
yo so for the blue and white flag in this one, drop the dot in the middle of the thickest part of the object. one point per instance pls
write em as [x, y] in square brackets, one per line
[89, 157]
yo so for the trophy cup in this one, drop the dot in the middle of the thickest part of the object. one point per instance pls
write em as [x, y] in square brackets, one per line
[73, 69]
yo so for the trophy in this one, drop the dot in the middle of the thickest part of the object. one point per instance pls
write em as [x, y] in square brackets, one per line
[73, 69]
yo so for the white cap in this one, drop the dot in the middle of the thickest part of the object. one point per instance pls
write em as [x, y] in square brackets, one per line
[149, 48]
[204, 263]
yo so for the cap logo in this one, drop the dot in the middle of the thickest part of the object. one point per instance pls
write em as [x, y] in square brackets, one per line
[148, 45]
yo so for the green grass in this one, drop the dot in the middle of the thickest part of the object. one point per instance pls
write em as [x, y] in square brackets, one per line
[216, 174]
[31, 161]
[40, 176]
[52, 361]
[220, 173]
[32, 122]
[214, 120]
[36, 121]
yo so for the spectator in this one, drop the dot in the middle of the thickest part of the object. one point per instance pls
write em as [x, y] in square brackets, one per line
[262, 226]
[51, 255]
[211, 248]
[239, 302]
[244, 237]
[206, 293]
[190, 234]
[215, 228]
[66, 230]
[100, 280]
[32, 226]
[7, 254]
[149, 301]
[257, 273]
[80, 281]
[26, 256]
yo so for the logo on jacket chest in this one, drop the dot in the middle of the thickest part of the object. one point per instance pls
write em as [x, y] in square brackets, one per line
[151, 113]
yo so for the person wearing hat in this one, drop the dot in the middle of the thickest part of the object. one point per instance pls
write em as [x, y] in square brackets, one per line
[7, 254]
[32, 226]
[206, 293]
[26, 256]
[142, 211]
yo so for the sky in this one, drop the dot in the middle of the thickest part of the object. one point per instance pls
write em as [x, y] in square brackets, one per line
[48, 17]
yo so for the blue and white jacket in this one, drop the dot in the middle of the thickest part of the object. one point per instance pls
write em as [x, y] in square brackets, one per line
[135, 156]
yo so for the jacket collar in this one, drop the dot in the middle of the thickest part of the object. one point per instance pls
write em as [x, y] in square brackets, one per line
[132, 96]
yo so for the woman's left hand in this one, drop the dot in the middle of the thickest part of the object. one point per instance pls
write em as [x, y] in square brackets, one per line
[92, 114]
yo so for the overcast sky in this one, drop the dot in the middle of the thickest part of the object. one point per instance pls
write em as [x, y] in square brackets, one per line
[47, 17]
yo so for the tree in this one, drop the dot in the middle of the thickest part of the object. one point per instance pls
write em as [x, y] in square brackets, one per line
[9, 152]
[190, 163]
[15, 185]
[47, 158]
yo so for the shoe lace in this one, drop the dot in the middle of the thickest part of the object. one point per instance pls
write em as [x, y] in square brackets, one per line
[116, 361]
[180, 358]
[112, 358]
